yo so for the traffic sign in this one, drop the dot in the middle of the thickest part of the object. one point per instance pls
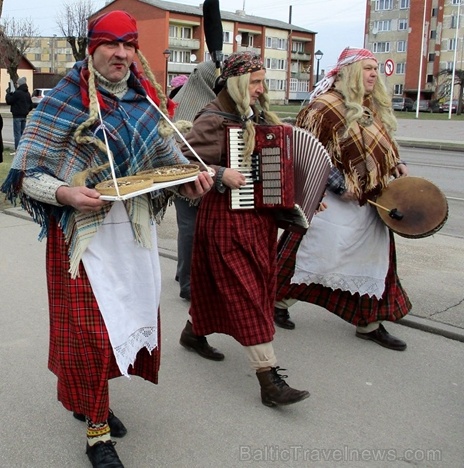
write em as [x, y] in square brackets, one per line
[389, 67]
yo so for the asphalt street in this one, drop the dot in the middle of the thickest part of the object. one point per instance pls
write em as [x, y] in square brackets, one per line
[369, 406]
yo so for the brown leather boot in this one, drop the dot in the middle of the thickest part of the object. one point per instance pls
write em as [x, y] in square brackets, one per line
[199, 344]
[274, 389]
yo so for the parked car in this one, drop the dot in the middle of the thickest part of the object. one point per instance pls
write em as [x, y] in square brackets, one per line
[454, 106]
[38, 94]
[403, 104]
[427, 106]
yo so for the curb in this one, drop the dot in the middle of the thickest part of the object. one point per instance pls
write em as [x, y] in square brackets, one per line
[412, 321]
[443, 145]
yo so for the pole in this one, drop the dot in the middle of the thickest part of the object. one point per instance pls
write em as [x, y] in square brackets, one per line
[317, 69]
[453, 75]
[421, 61]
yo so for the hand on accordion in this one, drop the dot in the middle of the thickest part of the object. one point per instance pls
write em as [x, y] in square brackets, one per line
[233, 179]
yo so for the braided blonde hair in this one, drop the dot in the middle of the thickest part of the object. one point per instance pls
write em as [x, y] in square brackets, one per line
[237, 87]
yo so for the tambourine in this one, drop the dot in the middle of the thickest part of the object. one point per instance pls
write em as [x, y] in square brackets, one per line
[412, 207]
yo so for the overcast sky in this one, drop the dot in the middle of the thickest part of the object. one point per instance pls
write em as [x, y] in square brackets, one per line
[338, 23]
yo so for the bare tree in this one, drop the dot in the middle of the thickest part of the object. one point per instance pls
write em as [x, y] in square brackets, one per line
[16, 36]
[73, 25]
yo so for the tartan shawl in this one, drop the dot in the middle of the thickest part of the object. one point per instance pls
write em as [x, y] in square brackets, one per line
[366, 156]
[48, 146]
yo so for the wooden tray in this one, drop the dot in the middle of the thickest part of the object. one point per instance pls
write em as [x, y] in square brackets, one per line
[152, 188]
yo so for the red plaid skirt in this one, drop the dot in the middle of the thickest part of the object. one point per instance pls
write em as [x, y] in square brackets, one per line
[80, 353]
[233, 271]
[356, 309]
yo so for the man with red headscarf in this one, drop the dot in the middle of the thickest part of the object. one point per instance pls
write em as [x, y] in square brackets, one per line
[346, 261]
[102, 260]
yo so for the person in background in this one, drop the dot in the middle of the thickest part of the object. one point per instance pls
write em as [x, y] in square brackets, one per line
[102, 263]
[176, 85]
[234, 255]
[20, 103]
[346, 261]
[191, 98]
[1, 139]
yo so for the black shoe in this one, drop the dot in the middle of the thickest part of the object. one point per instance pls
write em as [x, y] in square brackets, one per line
[103, 455]
[199, 344]
[185, 295]
[282, 319]
[117, 428]
[383, 338]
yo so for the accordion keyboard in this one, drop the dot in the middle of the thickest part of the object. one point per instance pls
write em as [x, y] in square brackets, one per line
[242, 198]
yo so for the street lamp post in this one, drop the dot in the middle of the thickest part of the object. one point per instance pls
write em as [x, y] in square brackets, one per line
[319, 54]
[167, 54]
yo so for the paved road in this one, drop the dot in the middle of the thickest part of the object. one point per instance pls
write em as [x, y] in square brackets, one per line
[369, 406]
[367, 403]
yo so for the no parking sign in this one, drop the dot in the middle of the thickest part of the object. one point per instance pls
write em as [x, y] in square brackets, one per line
[389, 67]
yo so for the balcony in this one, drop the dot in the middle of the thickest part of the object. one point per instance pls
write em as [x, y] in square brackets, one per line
[301, 56]
[187, 44]
[254, 50]
[181, 68]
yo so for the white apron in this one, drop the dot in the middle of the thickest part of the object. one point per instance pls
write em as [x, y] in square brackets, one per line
[126, 281]
[346, 247]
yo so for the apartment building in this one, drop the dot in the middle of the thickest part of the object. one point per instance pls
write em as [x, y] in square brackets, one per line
[398, 30]
[172, 39]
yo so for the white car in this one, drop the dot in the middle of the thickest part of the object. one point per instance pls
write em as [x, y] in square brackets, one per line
[38, 94]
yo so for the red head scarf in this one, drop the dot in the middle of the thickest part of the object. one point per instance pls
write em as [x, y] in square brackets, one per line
[116, 26]
[348, 56]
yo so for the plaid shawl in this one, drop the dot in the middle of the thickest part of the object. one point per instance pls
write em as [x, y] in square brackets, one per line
[48, 145]
[366, 156]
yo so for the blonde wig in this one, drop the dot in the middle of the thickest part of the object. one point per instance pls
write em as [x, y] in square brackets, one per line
[238, 89]
[350, 84]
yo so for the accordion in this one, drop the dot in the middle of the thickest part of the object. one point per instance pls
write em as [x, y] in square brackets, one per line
[289, 166]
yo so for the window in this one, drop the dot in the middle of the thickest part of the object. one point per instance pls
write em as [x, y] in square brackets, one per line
[433, 34]
[454, 22]
[276, 85]
[452, 44]
[276, 64]
[268, 42]
[227, 37]
[379, 47]
[404, 4]
[431, 57]
[401, 68]
[398, 89]
[180, 56]
[180, 32]
[456, 2]
[384, 25]
[383, 4]
[402, 25]
[297, 47]
[401, 46]
[430, 79]
[434, 12]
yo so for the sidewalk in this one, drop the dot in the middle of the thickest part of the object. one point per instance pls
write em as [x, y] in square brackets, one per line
[431, 270]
